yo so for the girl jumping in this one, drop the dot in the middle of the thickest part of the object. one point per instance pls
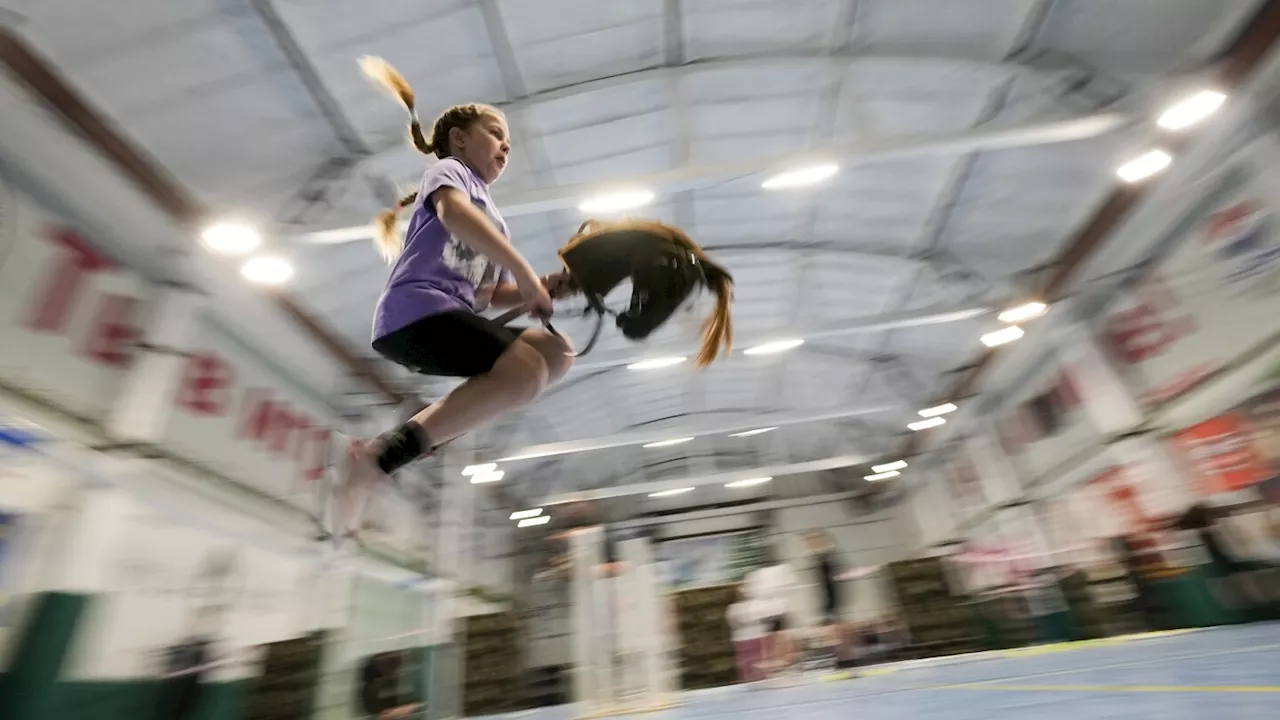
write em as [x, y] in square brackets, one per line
[455, 261]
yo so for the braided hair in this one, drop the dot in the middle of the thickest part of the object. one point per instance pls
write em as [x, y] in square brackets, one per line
[390, 244]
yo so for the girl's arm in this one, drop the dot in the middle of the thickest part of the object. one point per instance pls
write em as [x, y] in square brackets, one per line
[462, 218]
[507, 294]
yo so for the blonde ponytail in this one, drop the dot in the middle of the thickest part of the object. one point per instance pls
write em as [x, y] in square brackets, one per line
[381, 72]
[389, 242]
[386, 238]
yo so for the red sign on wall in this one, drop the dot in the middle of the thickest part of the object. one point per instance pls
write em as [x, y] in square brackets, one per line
[75, 300]
[1222, 454]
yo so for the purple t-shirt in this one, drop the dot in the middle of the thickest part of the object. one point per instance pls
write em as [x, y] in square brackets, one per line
[438, 272]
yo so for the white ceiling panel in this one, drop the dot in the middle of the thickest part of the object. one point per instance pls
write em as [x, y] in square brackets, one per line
[977, 28]
[724, 28]
[205, 87]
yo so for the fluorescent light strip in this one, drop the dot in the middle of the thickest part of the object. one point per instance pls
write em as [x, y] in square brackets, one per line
[479, 469]
[889, 467]
[801, 177]
[1192, 110]
[526, 514]
[926, 424]
[882, 476]
[748, 483]
[771, 348]
[937, 410]
[489, 477]
[1022, 313]
[667, 443]
[267, 270]
[1003, 336]
[1144, 166]
[530, 522]
[749, 433]
[616, 202]
[656, 363]
[669, 493]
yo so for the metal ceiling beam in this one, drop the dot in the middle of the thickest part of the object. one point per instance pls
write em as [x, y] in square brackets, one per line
[297, 58]
[816, 58]
[1234, 67]
[698, 174]
[642, 437]
[873, 323]
[39, 75]
[774, 471]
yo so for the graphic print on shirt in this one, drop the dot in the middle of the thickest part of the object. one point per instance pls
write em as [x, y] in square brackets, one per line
[471, 264]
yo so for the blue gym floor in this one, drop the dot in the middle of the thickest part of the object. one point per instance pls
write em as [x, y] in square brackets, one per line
[1218, 673]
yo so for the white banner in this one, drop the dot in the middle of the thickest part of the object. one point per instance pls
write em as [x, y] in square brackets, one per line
[1046, 425]
[69, 323]
[1215, 296]
[966, 495]
[68, 315]
[240, 418]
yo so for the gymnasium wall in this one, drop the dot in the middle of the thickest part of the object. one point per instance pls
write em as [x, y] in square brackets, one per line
[169, 493]
[709, 544]
[1151, 390]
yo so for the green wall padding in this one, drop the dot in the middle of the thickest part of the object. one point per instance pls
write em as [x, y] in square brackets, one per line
[42, 646]
[142, 700]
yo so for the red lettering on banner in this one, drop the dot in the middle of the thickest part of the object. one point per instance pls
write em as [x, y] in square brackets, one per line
[256, 414]
[113, 334]
[271, 423]
[206, 385]
[53, 304]
[319, 439]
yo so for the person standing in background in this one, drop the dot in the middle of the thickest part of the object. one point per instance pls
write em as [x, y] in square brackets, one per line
[770, 587]
[748, 636]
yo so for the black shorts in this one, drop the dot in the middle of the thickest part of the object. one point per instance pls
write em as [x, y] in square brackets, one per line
[452, 344]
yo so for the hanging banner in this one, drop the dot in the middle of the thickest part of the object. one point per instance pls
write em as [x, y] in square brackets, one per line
[1222, 454]
[1214, 296]
[69, 316]
[238, 416]
[1047, 427]
[70, 321]
[965, 490]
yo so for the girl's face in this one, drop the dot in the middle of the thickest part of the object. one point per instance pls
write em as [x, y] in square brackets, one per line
[484, 146]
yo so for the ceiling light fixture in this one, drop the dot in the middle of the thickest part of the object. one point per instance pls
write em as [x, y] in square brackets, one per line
[669, 493]
[889, 467]
[801, 177]
[748, 482]
[771, 348]
[937, 410]
[1022, 313]
[488, 477]
[656, 363]
[478, 469]
[267, 270]
[1144, 166]
[616, 202]
[749, 433]
[526, 514]
[1191, 110]
[530, 522]
[1000, 337]
[926, 424]
[229, 238]
[667, 443]
[882, 476]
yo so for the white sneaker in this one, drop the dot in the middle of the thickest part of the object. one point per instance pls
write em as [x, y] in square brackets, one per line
[360, 475]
